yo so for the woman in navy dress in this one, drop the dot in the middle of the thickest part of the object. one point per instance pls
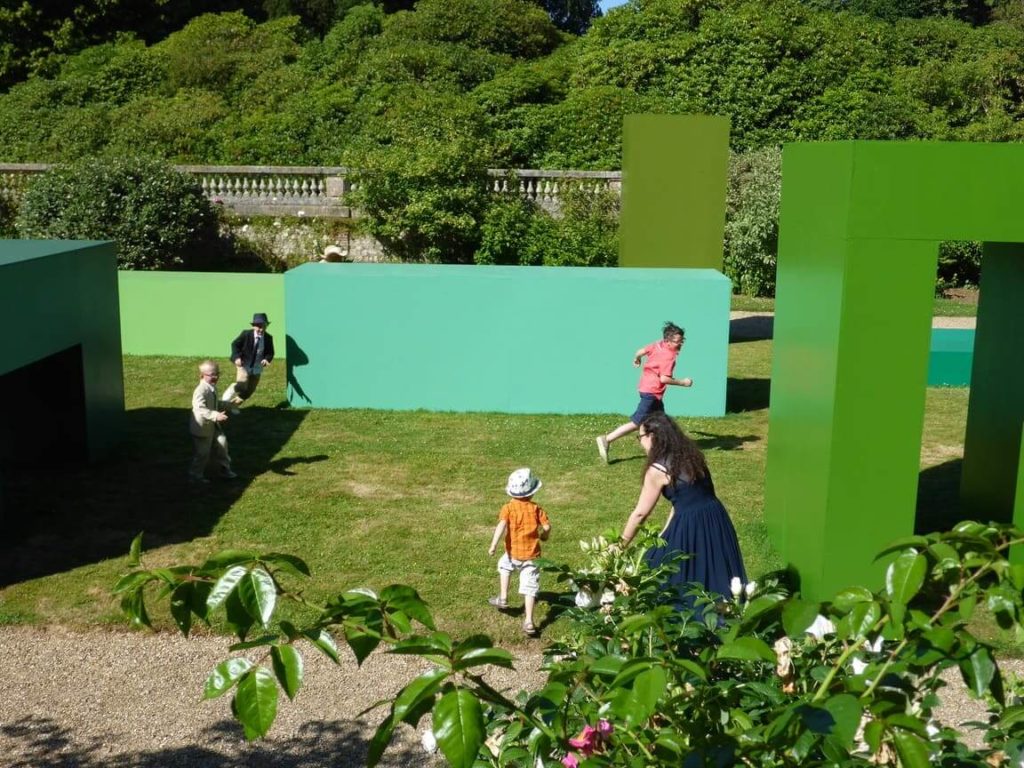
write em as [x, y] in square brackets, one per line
[698, 524]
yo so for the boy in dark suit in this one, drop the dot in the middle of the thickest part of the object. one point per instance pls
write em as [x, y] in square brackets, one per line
[251, 352]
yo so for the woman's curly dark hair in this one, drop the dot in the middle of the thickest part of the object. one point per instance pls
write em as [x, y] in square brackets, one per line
[673, 449]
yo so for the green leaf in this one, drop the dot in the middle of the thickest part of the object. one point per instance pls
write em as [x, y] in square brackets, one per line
[978, 670]
[648, 688]
[258, 594]
[255, 702]
[135, 552]
[692, 667]
[270, 639]
[361, 642]
[873, 735]
[607, 666]
[227, 558]
[238, 618]
[288, 563]
[845, 601]
[759, 607]
[399, 597]
[132, 580]
[904, 576]
[748, 649]
[224, 586]
[379, 742]
[323, 640]
[181, 606]
[134, 606]
[498, 657]
[421, 688]
[287, 665]
[798, 615]
[906, 543]
[846, 712]
[459, 727]
[860, 621]
[435, 644]
[911, 749]
[224, 676]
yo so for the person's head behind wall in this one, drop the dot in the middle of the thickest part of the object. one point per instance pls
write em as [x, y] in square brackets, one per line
[522, 484]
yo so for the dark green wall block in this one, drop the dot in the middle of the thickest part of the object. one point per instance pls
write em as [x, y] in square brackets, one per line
[859, 230]
[674, 174]
[61, 362]
[506, 339]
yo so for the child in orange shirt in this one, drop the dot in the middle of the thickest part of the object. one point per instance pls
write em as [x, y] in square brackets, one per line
[523, 525]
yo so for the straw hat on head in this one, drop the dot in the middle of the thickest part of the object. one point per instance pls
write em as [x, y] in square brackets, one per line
[522, 483]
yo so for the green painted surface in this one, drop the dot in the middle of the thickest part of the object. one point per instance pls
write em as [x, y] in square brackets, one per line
[996, 408]
[506, 339]
[952, 353]
[674, 174]
[55, 296]
[195, 314]
[859, 230]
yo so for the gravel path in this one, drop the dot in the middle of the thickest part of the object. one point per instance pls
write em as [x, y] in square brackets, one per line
[758, 325]
[118, 699]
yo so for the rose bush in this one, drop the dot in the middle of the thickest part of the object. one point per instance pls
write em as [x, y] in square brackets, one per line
[765, 678]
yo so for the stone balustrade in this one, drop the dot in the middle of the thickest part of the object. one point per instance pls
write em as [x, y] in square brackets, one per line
[272, 190]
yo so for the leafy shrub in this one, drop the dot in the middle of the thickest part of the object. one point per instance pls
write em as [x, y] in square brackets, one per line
[583, 234]
[158, 217]
[8, 212]
[766, 678]
[752, 221]
[959, 265]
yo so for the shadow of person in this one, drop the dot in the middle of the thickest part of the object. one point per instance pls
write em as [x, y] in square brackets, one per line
[282, 466]
[708, 441]
[747, 394]
[938, 498]
[295, 358]
[756, 327]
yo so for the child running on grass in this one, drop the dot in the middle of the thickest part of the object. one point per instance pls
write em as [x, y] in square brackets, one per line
[523, 525]
[656, 376]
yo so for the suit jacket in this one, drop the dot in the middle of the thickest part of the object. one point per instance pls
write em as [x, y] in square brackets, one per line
[205, 406]
[245, 347]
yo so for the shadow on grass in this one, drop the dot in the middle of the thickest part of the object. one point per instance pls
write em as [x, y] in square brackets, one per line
[61, 517]
[938, 498]
[43, 743]
[753, 328]
[707, 441]
[746, 394]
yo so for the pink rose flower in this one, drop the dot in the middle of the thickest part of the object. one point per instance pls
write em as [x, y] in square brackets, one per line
[570, 761]
[586, 741]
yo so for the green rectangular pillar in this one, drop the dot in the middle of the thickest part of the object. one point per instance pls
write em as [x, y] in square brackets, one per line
[996, 405]
[675, 169]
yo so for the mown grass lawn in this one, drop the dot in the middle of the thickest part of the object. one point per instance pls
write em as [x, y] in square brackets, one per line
[368, 498]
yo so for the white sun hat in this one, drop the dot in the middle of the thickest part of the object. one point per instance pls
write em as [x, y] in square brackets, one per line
[522, 483]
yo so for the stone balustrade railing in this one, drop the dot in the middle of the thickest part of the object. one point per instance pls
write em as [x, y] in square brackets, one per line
[273, 190]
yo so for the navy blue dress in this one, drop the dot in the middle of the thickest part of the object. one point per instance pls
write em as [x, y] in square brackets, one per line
[701, 528]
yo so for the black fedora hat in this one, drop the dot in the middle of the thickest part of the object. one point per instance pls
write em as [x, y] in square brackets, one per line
[260, 319]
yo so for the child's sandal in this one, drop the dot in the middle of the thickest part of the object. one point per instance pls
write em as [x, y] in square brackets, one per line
[498, 603]
[529, 630]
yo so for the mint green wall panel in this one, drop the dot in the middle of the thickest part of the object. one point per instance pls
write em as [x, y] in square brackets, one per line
[674, 174]
[55, 295]
[506, 339]
[860, 225]
[195, 314]
[952, 352]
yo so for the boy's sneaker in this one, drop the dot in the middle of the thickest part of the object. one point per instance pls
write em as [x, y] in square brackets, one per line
[602, 447]
[498, 603]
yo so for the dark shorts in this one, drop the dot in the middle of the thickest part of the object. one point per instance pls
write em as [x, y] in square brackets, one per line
[648, 404]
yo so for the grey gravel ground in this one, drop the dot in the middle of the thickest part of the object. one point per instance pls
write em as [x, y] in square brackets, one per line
[119, 699]
[106, 698]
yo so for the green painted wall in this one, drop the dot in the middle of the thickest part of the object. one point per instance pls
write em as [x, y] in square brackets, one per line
[195, 314]
[507, 339]
[55, 295]
[860, 225]
[949, 362]
[674, 174]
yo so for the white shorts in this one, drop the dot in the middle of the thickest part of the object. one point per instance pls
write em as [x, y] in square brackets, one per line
[529, 574]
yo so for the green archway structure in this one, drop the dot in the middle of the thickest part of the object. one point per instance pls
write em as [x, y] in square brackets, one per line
[858, 242]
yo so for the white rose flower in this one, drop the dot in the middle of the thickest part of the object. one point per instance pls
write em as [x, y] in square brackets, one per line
[857, 665]
[821, 627]
[736, 586]
[585, 599]
[429, 742]
[750, 588]
[607, 597]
